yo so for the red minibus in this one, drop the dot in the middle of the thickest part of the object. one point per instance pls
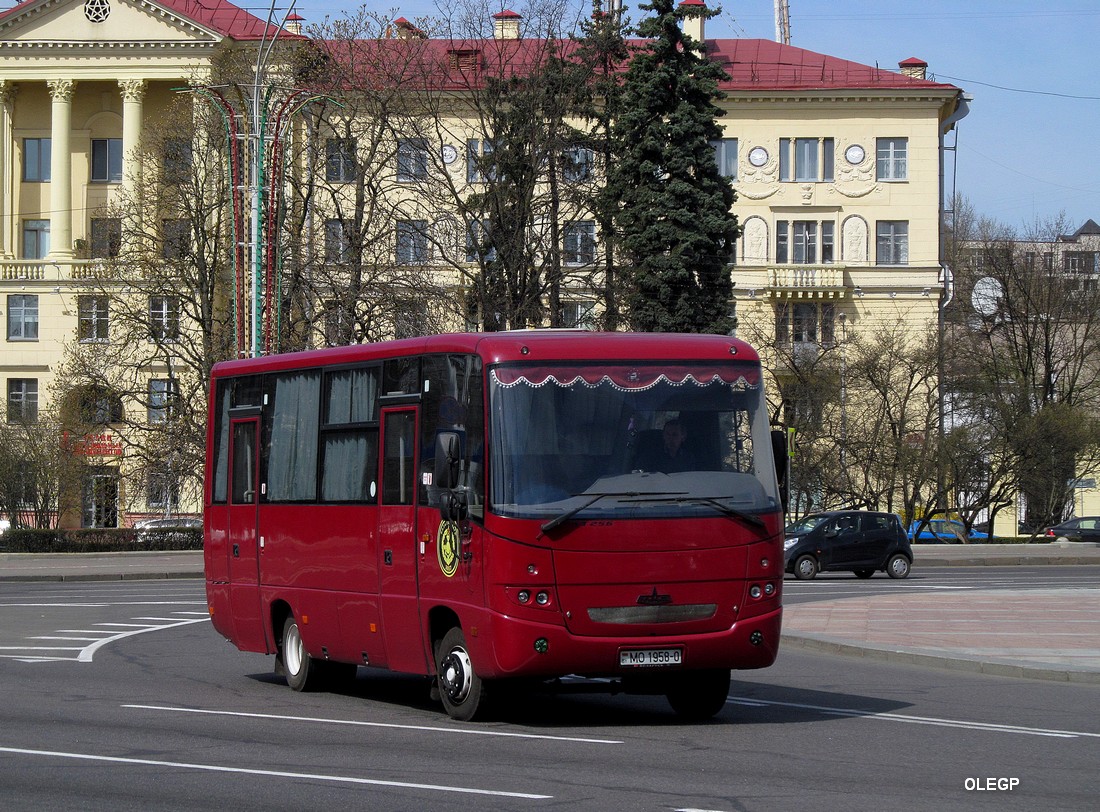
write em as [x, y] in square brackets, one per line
[496, 508]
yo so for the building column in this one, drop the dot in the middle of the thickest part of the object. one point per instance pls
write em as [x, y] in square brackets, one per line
[133, 97]
[11, 175]
[61, 168]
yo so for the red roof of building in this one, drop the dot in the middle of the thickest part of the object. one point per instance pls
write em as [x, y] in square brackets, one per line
[218, 15]
[752, 64]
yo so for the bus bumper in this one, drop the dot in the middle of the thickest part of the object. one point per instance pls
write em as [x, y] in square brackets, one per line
[521, 648]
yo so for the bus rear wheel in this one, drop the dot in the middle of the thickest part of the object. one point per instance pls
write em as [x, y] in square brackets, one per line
[699, 695]
[460, 688]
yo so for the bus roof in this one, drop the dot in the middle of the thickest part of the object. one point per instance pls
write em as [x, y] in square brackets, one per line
[537, 345]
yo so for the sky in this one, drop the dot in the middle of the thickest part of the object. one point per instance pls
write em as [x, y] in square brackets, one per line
[1028, 152]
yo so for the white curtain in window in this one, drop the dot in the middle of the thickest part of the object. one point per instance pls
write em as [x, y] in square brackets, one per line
[292, 459]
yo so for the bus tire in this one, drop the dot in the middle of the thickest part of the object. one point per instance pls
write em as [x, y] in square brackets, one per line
[460, 688]
[303, 673]
[699, 695]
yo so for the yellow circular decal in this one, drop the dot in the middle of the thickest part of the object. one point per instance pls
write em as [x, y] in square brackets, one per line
[448, 548]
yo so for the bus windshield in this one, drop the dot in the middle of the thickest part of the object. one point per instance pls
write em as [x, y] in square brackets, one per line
[646, 440]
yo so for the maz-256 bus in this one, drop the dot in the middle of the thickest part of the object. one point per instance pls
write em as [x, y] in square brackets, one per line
[496, 507]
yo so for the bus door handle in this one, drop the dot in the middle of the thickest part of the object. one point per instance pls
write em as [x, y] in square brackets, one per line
[236, 551]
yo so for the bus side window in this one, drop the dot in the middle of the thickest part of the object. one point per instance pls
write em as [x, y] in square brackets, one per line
[398, 463]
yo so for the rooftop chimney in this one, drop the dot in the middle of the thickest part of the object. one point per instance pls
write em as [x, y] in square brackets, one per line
[294, 24]
[694, 19]
[914, 68]
[506, 25]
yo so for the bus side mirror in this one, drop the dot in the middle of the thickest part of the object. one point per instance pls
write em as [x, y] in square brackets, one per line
[447, 454]
[782, 464]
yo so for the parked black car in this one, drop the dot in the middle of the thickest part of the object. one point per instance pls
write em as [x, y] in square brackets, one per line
[1086, 528]
[858, 541]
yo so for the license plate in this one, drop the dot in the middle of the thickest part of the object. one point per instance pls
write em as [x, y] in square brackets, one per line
[641, 658]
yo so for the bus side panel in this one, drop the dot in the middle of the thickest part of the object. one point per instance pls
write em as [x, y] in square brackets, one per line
[215, 554]
[322, 561]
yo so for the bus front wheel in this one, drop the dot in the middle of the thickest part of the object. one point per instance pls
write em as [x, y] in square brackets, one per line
[460, 688]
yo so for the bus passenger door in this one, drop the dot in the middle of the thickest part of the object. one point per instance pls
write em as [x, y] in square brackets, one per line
[244, 562]
[399, 598]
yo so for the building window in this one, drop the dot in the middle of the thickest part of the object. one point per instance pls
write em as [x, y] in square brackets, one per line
[412, 159]
[1081, 262]
[892, 241]
[804, 323]
[340, 160]
[162, 489]
[163, 395]
[164, 318]
[23, 317]
[478, 159]
[578, 314]
[806, 160]
[410, 319]
[576, 164]
[725, 155]
[98, 406]
[36, 160]
[893, 159]
[100, 502]
[106, 234]
[93, 313]
[106, 160]
[175, 239]
[22, 400]
[337, 241]
[479, 245]
[805, 242]
[579, 240]
[412, 242]
[178, 159]
[36, 239]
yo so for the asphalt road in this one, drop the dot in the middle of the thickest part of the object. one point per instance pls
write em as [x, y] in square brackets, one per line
[143, 706]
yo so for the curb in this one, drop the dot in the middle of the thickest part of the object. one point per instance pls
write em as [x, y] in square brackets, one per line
[945, 660]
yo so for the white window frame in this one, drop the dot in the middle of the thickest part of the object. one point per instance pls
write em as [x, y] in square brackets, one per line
[892, 159]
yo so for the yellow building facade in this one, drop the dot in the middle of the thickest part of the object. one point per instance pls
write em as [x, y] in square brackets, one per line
[838, 168]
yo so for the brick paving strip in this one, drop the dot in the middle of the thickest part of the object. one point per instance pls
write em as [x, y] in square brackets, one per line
[1041, 633]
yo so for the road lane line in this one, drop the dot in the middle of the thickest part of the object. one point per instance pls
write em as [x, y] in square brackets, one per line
[88, 652]
[919, 720]
[216, 768]
[354, 723]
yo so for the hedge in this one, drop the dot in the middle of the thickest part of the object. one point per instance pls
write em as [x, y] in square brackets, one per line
[97, 540]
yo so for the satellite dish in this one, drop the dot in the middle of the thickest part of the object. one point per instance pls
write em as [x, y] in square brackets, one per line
[986, 296]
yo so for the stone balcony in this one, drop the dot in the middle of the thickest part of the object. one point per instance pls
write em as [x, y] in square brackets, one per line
[805, 282]
[53, 271]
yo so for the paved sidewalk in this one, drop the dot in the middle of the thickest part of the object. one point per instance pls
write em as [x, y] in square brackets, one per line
[1041, 634]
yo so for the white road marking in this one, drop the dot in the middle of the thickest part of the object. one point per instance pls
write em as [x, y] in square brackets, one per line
[919, 720]
[89, 651]
[217, 768]
[427, 728]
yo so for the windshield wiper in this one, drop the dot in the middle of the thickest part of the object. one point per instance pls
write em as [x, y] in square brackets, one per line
[596, 497]
[716, 503]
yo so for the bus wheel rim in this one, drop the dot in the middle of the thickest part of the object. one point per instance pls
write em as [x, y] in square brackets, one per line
[456, 672]
[293, 653]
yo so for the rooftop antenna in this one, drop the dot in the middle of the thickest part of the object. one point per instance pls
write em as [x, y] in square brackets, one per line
[782, 22]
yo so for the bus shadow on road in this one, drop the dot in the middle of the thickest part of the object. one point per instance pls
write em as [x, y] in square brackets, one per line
[754, 703]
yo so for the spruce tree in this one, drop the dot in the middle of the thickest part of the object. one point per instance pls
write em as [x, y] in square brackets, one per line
[673, 218]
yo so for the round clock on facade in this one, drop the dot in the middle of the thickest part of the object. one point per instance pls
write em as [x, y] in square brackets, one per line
[758, 156]
[449, 154]
[854, 154]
